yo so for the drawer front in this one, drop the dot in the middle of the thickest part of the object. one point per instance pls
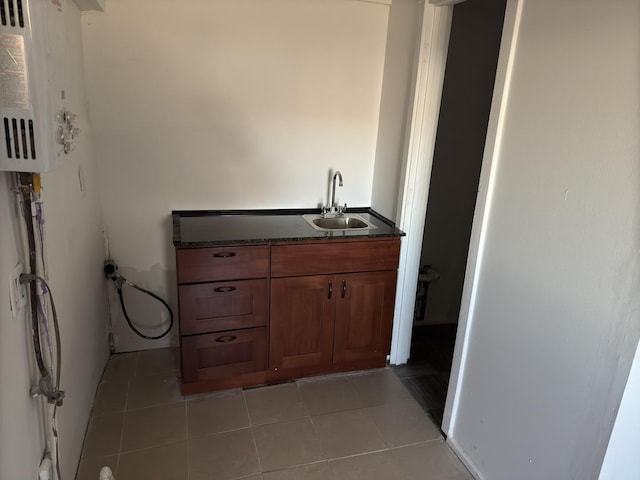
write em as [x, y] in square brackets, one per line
[334, 257]
[213, 307]
[222, 263]
[223, 354]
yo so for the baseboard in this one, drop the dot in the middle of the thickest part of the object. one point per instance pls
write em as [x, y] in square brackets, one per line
[465, 459]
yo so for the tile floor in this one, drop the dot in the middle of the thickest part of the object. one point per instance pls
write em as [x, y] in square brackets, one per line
[356, 426]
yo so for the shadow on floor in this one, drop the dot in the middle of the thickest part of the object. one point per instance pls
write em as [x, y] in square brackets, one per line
[426, 374]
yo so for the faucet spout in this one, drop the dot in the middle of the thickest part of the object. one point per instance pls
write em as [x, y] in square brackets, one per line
[332, 205]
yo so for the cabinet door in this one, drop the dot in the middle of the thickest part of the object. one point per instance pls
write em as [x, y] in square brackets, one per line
[301, 322]
[364, 316]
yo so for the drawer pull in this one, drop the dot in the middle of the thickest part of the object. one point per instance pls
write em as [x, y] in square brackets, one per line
[224, 289]
[330, 289]
[344, 288]
[226, 338]
[224, 255]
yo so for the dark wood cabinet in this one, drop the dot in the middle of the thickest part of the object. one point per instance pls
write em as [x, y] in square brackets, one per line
[364, 315]
[223, 296]
[217, 306]
[252, 314]
[223, 355]
[301, 335]
[323, 323]
[231, 262]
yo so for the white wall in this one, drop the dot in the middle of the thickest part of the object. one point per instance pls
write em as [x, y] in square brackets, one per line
[398, 83]
[554, 323]
[476, 29]
[621, 461]
[226, 104]
[20, 427]
[75, 250]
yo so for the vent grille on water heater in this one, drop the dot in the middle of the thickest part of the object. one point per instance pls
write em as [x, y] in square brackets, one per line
[12, 14]
[35, 127]
[19, 138]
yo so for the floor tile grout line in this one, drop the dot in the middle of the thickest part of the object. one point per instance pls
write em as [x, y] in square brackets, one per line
[175, 402]
[291, 467]
[149, 447]
[253, 437]
[186, 430]
[246, 406]
[362, 454]
[124, 413]
[280, 420]
[304, 404]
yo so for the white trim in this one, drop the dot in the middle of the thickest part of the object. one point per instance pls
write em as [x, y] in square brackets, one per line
[482, 213]
[432, 56]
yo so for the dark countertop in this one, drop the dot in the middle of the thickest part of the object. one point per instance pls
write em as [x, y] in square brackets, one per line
[197, 228]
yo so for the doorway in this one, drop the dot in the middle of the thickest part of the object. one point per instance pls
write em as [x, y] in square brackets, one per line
[473, 49]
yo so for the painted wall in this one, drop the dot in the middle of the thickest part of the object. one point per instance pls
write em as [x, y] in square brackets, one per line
[20, 426]
[621, 461]
[476, 30]
[397, 87]
[75, 250]
[554, 319]
[224, 104]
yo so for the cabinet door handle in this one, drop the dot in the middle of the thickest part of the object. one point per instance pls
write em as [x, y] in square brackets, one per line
[344, 288]
[224, 255]
[330, 289]
[224, 289]
[226, 338]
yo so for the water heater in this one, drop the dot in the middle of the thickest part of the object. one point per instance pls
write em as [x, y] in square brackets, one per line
[36, 127]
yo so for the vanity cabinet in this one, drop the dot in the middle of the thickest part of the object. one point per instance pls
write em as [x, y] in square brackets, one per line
[254, 314]
[223, 304]
[331, 306]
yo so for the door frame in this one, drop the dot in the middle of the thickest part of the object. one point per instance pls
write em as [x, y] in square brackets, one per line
[415, 177]
[416, 169]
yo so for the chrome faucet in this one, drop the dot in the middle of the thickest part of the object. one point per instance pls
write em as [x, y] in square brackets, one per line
[333, 208]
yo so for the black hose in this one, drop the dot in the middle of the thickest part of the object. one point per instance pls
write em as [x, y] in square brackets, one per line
[118, 283]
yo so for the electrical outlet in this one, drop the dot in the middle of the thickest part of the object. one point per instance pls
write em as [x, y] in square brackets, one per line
[17, 291]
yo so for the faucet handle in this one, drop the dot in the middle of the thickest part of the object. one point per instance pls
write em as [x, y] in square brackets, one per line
[324, 211]
[342, 209]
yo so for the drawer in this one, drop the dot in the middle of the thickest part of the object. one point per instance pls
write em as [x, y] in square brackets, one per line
[223, 354]
[213, 307]
[222, 263]
[334, 257]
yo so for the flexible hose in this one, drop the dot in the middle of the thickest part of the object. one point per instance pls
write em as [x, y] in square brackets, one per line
[56, 329]
[54, 395]
[25, 181]
[118, 281]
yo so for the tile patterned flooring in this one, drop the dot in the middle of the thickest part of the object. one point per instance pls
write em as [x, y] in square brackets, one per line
[426, 374]
[351, 427]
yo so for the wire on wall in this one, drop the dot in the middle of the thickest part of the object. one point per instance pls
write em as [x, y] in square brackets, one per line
[48, 384]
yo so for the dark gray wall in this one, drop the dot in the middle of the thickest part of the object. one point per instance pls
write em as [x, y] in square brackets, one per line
[464, 112]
